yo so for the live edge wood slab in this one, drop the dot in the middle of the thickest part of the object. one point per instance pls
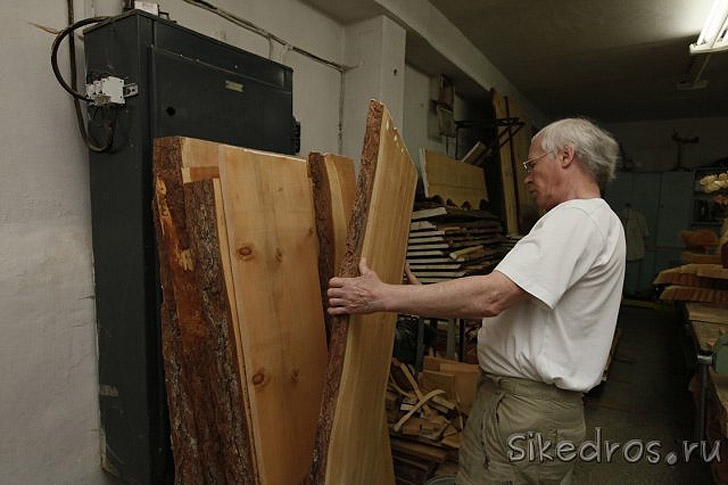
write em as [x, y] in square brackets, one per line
[352, 445]
[242, 324]
[210, 432]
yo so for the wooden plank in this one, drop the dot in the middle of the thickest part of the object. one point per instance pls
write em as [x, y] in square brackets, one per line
[466, 377]
[689, 293]
[452, 212]
[334, 192]
[527, 210]
[476, 155]
[452, 180]
[419, 450]
[350, 435]
[210, 431]
[716, 271]
[269, 213]
[508, 176]
[334, 188]
[707, 313]
[431, 380]
[707, 333]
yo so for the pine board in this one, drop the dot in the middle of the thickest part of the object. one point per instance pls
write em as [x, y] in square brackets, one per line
[210, 425]
[269, 213]
[350, 436]
[508, 175]
[334, 188]
[707, 313]
[455, 182]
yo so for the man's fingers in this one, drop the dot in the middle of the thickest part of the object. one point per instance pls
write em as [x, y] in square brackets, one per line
[336, 310]
[336, 282]
[337, 302]
[334, 293]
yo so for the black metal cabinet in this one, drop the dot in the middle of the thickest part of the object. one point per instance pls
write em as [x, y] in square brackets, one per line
[189, 85]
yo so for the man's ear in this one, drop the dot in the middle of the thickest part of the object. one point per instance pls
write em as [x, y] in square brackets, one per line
[567, 155]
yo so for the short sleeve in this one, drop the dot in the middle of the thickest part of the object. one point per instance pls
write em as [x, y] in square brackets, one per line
[557, 253]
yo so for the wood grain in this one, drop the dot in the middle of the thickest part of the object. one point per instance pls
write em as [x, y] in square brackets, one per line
[334, 189]
[210, 433]
[273, 253]
[520, 207]
[454, 181]
[350, 437]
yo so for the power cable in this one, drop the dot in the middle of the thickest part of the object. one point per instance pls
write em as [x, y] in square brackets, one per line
[108, 125]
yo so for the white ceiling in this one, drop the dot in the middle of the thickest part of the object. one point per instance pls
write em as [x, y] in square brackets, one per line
[613, 60]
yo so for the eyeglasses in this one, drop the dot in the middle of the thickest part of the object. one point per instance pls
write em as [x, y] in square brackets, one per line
[529, 163]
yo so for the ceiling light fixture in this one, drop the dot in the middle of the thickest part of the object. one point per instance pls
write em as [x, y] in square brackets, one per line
[713, 37]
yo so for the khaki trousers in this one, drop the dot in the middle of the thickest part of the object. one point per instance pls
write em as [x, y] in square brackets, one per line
[511, 422]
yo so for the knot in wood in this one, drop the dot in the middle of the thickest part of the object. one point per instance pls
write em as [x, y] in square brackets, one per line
[245, 253]
[259, 379]
[294, 375]
[279, 255]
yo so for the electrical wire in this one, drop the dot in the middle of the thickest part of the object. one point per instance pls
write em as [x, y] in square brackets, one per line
[108, 125]
[248, 25]
[56, 45]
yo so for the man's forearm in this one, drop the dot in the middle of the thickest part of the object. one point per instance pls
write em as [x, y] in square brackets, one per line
[471, 297]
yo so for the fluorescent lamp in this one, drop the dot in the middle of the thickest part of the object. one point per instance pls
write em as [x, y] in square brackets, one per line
[713, 37]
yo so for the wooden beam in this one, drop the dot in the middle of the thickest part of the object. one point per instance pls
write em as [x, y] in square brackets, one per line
[350, 436]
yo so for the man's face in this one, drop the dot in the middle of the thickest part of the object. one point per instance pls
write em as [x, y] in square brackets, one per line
[542, 176]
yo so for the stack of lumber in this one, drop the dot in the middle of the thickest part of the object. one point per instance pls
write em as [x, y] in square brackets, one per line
[455, 182]
[242, 323]
[426, 416]
[695, 282]
[447, 242]
[246, 242]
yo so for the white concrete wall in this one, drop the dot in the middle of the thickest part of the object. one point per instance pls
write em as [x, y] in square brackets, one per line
[650, 144]
[375, 48]
[48, 404]
[49, 424]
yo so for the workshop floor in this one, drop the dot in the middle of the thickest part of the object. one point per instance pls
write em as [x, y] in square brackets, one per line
[645, 398]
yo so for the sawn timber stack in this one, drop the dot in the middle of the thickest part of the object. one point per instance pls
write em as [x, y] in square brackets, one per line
[242, 322]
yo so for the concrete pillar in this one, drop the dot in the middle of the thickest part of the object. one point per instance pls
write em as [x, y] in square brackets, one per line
[376, 47]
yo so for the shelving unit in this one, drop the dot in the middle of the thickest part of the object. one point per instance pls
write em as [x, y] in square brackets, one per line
[706, 212]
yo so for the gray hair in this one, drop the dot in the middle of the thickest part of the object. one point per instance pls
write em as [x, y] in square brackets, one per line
[595, 148]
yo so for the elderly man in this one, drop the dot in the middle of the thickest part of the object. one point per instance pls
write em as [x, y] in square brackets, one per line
[549, 312]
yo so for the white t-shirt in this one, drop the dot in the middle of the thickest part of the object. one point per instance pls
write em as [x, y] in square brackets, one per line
[572, 264]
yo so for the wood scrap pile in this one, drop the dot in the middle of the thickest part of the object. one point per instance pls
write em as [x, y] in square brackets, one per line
[426, 416]
[447, 242]
[694, 282]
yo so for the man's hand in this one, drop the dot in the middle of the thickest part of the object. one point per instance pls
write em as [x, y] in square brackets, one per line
[409, 276]
[356, 295]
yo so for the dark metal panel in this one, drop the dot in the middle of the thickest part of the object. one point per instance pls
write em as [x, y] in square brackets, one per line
[196, 46]
[131, 387]
[219, 105]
